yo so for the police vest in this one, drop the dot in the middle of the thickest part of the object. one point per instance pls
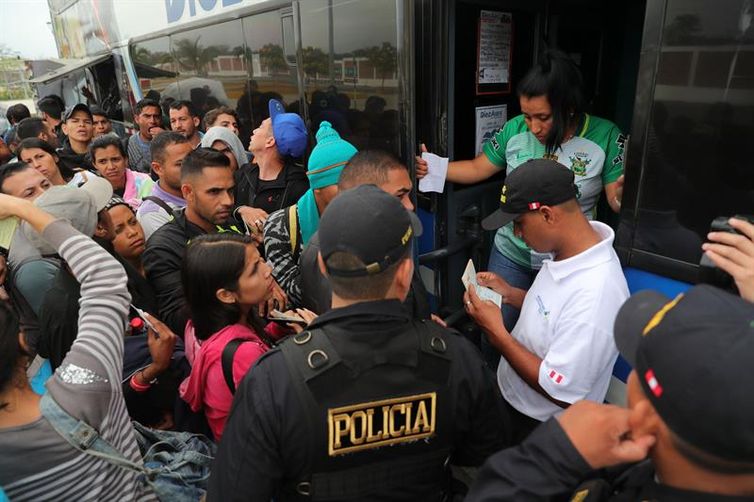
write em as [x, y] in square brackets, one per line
[380, 423]
[617, 484]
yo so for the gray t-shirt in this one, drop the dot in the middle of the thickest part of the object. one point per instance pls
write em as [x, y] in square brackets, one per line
[36, 462]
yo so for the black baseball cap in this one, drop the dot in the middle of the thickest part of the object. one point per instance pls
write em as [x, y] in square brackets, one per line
[533, 184]
[370, 224]
[77, 107]
[693, 357]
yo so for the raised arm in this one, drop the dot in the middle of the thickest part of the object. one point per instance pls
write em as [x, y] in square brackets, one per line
[471, 171]
[104, 293]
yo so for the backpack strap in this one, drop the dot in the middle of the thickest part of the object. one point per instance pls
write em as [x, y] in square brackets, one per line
[293, 227]
[164, 205]
[83, 436]
[229, 352]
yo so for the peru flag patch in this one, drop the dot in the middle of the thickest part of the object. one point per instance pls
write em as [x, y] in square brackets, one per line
[654, 385]
[555, 376]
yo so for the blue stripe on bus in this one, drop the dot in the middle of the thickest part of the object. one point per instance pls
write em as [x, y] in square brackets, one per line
[639, 280]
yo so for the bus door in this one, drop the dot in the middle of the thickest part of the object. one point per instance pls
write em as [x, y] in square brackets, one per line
[469, 55]
[485, 50]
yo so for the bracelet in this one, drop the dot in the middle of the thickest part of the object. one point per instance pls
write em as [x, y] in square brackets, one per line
[138, 387]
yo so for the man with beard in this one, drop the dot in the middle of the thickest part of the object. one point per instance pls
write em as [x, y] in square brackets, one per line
[185, 120]
[207, 186]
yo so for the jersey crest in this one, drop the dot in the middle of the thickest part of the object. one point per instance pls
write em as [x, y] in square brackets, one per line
[579, 163]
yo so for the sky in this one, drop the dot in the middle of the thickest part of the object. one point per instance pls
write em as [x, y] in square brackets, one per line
[25, 29]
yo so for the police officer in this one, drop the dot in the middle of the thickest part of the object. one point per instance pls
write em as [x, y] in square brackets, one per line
[689, 407]
[366, 403]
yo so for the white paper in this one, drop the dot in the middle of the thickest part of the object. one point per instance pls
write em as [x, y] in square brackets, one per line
[434, 181]
[489, 120]
[495, 34]
[469, 277]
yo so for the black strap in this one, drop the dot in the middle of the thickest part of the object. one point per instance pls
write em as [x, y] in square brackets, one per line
[164, 205]
[229, 352]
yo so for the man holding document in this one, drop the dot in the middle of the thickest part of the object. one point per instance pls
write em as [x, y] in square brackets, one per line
[562, 348]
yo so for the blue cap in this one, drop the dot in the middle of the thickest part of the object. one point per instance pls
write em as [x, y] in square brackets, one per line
[288, 129]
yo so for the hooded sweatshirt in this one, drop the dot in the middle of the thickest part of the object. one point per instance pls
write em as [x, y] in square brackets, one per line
[229, 138]
[205, 388]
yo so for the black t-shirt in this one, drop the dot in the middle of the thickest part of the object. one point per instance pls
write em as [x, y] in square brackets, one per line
[271, 195]
[266, 198]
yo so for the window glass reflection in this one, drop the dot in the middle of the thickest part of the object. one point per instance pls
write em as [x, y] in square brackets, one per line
[697, 165]
[350, 64]
[211, 64]
[154, 66]
[269, 75]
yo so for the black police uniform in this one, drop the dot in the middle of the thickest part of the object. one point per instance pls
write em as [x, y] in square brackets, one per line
[546, 466]
[368, 404]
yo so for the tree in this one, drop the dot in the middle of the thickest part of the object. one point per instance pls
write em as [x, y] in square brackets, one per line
[247, 55]
[314, 60]
[190, 55]
[384, 60]
[271, 56]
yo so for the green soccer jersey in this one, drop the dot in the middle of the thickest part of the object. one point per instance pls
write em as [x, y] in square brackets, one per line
[594, 154]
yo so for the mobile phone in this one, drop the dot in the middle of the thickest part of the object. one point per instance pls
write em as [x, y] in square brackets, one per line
[146, 321]
[276, 315]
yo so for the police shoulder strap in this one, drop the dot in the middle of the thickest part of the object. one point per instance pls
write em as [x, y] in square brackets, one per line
[433, 338]
[229, 352]
[310, 353]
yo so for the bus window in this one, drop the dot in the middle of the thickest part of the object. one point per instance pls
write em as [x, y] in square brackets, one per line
[154, 66]
[269, 74]
[350, 66]
[696, 163]
[211, 64]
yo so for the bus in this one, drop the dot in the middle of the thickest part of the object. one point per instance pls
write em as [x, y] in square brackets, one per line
[677, 76]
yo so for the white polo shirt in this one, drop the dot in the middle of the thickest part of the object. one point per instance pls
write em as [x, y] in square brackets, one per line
[567, 321]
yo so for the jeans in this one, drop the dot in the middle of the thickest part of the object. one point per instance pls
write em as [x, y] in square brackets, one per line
[518, 277]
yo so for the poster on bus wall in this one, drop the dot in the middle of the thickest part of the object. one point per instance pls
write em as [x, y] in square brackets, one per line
[489, 119]
[495, 36]
[494, 48]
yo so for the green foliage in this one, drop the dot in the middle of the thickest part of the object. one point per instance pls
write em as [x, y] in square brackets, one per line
[271, 56]
[384, 59]
[192, 56]
[315, 61]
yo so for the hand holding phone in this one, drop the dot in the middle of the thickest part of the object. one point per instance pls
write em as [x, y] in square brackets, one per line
[276, 315]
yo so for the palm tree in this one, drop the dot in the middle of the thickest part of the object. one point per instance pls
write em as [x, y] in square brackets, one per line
[191, 55]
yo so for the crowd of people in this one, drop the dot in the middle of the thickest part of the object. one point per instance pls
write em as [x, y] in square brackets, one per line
[254, 304]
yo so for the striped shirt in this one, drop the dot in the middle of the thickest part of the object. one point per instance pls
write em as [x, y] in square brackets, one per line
[36, 463]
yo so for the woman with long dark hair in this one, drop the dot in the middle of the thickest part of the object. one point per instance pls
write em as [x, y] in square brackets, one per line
[553, 124]
[224, 279]
[43, 157]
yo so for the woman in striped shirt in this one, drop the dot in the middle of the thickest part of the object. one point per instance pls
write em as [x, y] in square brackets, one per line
[37, 463]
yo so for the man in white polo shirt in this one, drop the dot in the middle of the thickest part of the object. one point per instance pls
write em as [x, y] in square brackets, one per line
[562, 348]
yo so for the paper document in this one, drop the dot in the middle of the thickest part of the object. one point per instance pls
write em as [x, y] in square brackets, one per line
[469, 277]
[7, 230]
[434, 181]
